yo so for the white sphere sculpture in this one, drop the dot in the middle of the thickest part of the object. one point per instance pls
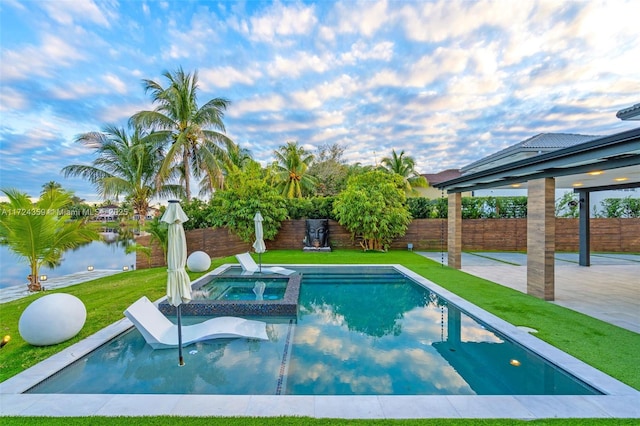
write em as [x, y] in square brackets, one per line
[52, 319]
[198, 261]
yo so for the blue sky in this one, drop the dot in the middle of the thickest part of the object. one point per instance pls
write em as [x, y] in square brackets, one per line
[449, 82]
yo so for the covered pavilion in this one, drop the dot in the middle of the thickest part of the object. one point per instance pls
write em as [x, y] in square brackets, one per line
[597, 164]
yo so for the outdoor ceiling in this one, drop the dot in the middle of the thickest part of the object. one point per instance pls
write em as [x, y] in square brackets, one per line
[606, 178]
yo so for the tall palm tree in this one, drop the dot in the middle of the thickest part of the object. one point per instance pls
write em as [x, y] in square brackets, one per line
[40, 232]
[292, 163]
[404, 166]
[194, 134]
[125, 164]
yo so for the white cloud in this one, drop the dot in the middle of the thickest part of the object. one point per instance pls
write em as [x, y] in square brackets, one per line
[195, 40]
[282, 20]
[297, 64]
[11, 99]
[67, 12]
[118, 113]
[272, 102]
[25, 62]
[444, 20]
[361, 51]
[114, 83]
[227, 76]
[362, 17]
[342, 87]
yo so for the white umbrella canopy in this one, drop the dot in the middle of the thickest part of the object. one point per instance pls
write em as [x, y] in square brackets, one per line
[259, 245]
[178, 282]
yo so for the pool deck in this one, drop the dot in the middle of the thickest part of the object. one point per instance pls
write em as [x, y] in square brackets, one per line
[621, 401]
[19, 291]
[609, 289]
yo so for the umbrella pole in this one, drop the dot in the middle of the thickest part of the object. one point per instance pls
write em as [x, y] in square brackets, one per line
[180, 359]
[260, 262]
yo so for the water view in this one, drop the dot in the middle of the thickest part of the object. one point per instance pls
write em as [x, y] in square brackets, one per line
[99, 254]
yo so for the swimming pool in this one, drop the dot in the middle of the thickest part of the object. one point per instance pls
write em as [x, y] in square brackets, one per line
[243, 289]
[359, 331]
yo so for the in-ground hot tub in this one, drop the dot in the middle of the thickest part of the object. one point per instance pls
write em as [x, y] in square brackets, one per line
[241, 295]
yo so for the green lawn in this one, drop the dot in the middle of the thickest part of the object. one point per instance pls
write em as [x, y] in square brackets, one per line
[608, 348]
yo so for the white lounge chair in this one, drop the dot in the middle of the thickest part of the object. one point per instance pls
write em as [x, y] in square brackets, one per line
[161, 333]
[249, 266]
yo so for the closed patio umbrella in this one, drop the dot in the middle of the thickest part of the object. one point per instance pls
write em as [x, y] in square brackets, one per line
[258, 245]
[178, 282]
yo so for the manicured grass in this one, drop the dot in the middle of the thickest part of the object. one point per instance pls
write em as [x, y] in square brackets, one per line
[609, 348]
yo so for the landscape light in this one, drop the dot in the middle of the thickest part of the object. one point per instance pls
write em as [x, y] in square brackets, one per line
[5, 340]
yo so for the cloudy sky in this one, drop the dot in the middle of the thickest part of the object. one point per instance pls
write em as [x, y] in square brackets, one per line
[447, 81]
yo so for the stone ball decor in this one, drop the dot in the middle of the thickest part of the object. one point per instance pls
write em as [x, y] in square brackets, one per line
[52, 319]
[198, 261]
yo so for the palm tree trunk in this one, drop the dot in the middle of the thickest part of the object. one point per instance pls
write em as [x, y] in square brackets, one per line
[187, 179]
[34, 284]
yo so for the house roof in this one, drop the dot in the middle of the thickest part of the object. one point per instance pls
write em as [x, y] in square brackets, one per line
[538, 144]
[442, 176]
[607, 162]
[631, 113]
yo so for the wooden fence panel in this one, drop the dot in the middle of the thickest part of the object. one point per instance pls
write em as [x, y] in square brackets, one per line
[614, 235]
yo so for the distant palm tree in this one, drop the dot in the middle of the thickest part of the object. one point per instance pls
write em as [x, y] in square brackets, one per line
[292, 163]
[40, 232]
[404, 166]
[194, 134]
[125, 164]
[50, 186]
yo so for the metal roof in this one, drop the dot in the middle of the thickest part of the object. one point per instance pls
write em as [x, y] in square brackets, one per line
[538, 144]
[631, 113]
[577, 163]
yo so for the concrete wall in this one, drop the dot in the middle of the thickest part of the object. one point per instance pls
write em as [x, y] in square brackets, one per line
[614, 235]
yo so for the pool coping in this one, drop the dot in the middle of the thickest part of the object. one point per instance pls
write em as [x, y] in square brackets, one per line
[619, 401]
[285, 307]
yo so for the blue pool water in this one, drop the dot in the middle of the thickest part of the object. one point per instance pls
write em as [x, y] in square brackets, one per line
[359, 331]
[224, 288]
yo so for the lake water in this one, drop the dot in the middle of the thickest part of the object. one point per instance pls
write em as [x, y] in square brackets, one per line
[99, 254]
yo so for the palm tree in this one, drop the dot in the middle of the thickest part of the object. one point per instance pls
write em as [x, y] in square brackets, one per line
[125, 164]
[405, 167]
[292, 163]
[236, 158]
[194, 134]
[50, 186]
[41, 232]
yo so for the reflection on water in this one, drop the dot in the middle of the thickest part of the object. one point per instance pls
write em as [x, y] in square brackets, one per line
[355, 334]
[107, 254]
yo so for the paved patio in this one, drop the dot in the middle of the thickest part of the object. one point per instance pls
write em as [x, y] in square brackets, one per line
[19, 291]
[609, 289]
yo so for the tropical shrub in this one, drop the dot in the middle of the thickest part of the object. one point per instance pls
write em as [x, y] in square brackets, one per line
[311, 208]
[373, 208]
[198, 213]
[621, 207]
[247, 193]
